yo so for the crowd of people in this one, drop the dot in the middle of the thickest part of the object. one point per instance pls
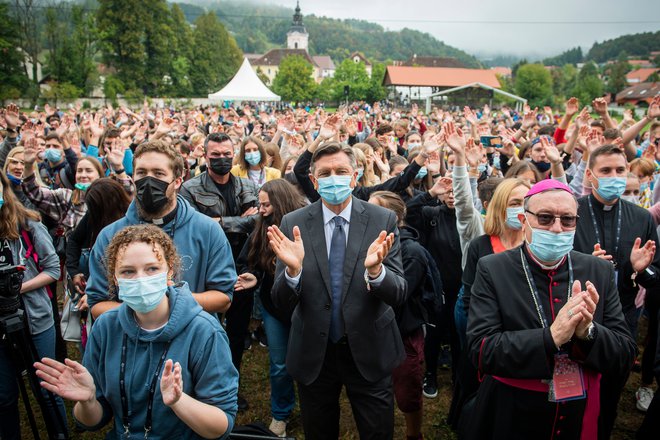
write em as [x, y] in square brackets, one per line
[361, 240]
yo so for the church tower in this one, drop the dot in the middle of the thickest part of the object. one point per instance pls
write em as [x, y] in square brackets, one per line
[297, 37]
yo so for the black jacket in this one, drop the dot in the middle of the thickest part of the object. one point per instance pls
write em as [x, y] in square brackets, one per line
[436, 224]
[410, 315]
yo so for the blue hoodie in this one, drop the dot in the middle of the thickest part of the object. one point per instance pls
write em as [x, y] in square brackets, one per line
[198, 343]
[206, 259]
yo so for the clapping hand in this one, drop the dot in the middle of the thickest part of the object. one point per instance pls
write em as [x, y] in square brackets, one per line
[587, 309]
[601, 253]
[377, 252]
[291, 253]
[568, 317]
[641, 257]
[245, 281]
[69, 380]
[171, 383]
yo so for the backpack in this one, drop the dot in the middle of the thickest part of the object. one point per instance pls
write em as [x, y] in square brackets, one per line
[433, 298]
[31, 253]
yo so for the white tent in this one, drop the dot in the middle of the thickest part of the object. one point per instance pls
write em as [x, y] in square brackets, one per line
[245, 86]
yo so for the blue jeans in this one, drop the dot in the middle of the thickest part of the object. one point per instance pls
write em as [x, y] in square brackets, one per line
[282, 395]
[44, 342]
[460, 318]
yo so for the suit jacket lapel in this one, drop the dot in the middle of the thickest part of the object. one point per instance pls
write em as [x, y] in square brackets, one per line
[356, 235]
[316, 230]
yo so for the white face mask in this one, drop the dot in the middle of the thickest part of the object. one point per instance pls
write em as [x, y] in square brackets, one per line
[631, 198]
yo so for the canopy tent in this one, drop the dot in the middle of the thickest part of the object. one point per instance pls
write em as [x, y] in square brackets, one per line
[520, 101]
[245, 86]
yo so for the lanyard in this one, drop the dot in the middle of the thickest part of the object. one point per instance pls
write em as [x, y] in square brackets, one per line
[535, 292]
[152, 389]
[617, 238]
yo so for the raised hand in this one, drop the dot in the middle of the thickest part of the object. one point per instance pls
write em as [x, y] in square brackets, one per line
[165, 126]
[600, 106]
[291, 253]
[69, 380]
[115, 154]
[551, 151]
[628, 115]
[470, 116]
[572, 107]
[650, 152]
[594, 140]
[30, 153]
[330, 127]
[454, 138]
[583, 118]
[11, 116]
[473, 153]
[377, 252]
[49, 111]
[351, 126]
[529, 119]
[654, 109]
[441, 187]
[171, 383]
[245, 281]
[641, 257]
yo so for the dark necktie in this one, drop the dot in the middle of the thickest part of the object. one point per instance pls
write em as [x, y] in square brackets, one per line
[336, 262]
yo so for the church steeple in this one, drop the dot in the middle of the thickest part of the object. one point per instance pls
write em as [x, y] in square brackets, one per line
[297, 17]
[297, 37]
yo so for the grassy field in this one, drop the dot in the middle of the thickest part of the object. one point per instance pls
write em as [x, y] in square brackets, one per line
[255, 387]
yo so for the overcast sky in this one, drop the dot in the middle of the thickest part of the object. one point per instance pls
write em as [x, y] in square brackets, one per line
[483, 27]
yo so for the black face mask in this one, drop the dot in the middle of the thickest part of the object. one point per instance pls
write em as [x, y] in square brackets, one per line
[220, 165]
[151, 194]
[542, 166]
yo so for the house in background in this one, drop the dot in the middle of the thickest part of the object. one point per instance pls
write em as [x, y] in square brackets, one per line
[640, 75]
[638, 94]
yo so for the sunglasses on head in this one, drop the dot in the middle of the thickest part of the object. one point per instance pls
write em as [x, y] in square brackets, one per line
[567, 221]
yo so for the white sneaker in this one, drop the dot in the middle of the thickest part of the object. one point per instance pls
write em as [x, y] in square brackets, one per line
[278, 427]
[644, 396]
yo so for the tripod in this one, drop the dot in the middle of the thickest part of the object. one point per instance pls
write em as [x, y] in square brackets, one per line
[23, 355]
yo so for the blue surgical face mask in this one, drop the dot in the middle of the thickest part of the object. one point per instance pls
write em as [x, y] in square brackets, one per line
[421, 173]
[53, 155]
[360, 173]
[253, 158]
[82, 186]
[496, 162]
[550, 246]
[512, 217]
[611, 188]
[144, 294]
[14, 180]
[335, 189]
[482, 167]
[2, 202]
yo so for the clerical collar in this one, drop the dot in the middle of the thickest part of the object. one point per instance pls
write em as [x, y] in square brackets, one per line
[603, 206]
[165, 220]
[540, 264]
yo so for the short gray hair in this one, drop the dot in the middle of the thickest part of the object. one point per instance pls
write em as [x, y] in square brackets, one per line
[333, 148]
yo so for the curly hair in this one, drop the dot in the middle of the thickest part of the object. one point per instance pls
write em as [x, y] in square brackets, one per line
[145, 233]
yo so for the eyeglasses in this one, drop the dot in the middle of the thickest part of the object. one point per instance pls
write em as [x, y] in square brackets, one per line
[567, 221]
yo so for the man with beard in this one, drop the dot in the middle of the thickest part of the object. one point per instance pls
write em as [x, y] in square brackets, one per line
[231, 202]
[206, 262]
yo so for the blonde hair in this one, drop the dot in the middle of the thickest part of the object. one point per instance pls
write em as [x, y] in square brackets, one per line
[35, 166]
[369, 175]
[495, 223]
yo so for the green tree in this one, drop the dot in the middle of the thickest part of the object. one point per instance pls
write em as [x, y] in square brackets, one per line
[376, 91]
[294, 81]
[617, 78]
[61, 91]
[216, 57]
[183, 47]
[160, 48]
[121, 24]
[13, 80]
[352, 74]
[533, 82]
[589, 86]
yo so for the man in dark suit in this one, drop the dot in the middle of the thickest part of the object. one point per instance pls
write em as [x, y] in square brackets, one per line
[339, 268]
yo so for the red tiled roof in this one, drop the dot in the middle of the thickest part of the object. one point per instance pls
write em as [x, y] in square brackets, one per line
[640, 75]
[324, 62]
[504, 71]
[438, 77]
[642, 91]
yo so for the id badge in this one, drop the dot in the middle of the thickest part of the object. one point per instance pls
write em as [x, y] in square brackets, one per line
[616, 277]
[567, 380]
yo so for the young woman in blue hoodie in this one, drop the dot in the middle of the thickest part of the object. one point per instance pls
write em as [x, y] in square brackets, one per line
[158, 364]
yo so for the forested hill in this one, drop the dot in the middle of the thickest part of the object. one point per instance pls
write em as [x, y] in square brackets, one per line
[637, 44]
[259, 27]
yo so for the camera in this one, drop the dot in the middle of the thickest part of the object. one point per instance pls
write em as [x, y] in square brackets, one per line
[11, 280]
